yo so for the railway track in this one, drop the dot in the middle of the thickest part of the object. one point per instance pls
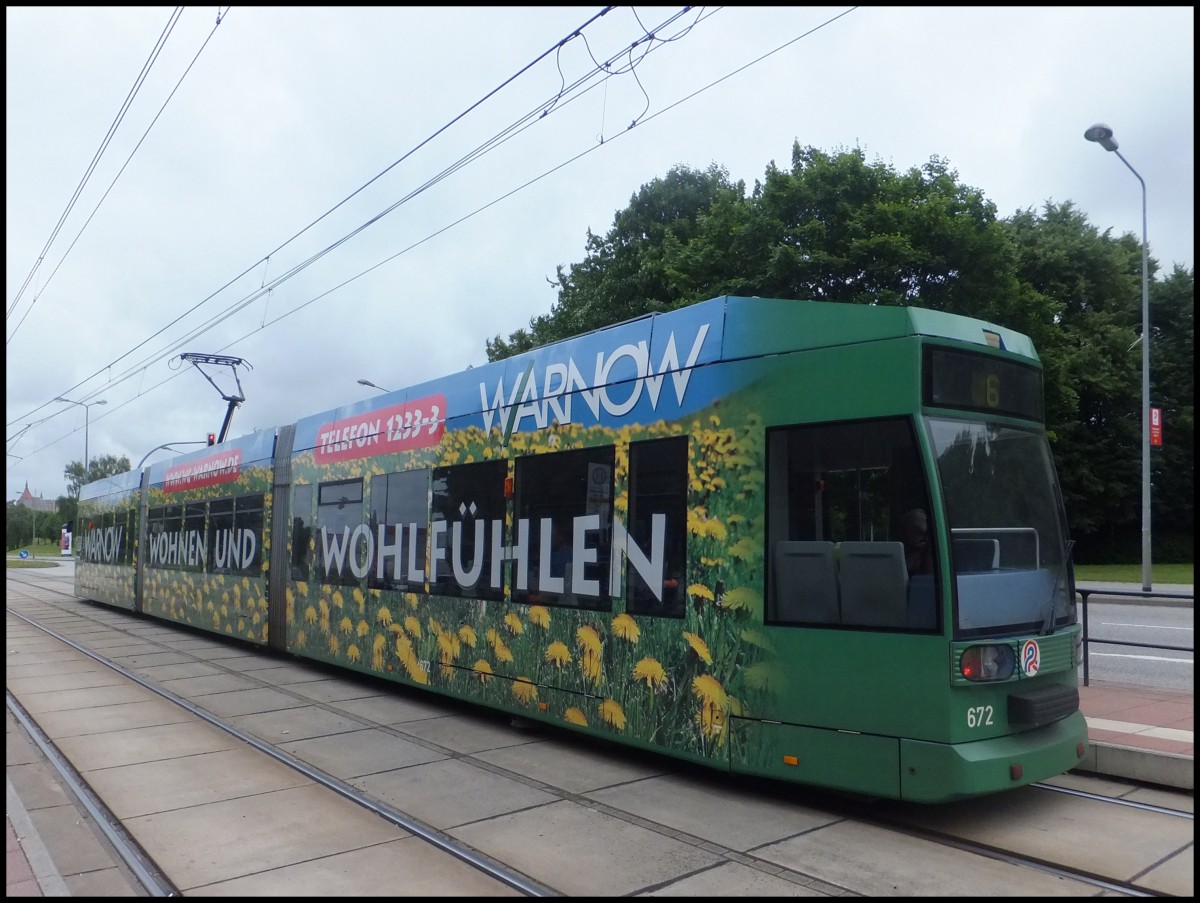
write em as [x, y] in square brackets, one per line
[529, 811]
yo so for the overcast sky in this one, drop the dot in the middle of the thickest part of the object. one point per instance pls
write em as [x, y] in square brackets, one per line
[162, 175]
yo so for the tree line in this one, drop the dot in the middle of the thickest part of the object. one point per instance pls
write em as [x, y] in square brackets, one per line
[835, 227]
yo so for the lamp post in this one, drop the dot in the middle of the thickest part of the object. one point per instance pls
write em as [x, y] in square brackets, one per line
[367, 382]
[87, 410]
[1103, 135]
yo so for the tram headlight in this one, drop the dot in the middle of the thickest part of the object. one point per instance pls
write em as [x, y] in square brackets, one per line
[988, 663]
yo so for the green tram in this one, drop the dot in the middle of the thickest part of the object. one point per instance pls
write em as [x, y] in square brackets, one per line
[820, 543]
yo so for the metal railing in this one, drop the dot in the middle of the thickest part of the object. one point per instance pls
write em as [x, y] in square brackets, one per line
[1131, 594]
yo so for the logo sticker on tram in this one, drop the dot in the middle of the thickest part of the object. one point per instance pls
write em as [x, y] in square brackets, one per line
[414, 424]
[1031, 658]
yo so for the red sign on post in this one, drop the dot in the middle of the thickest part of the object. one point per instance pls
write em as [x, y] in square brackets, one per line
[1156, 426]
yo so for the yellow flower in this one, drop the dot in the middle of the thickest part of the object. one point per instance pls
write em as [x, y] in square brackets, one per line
[337, 597]
[763, 676]
[651, 672]
[416, 671]
[612, 713]
[310, 615]
[502, 652]
[378, 645]
[448, 643]
[539, 615]
[346, 625]
[589, 639]
[558, 653]
[699, 589]
[384, 615]
[745, 549]
[525, 690]
[334, 645]
[575, 716]
[590, 662]
[755, 638]
[484, 670]
[363, 628]
[413, 626]
[741, 597]
[713, 704]
[514, 623]
[404, 647]
[352, 653]
[698, 646]
[626, 628]
[360, 599]
[466, 633]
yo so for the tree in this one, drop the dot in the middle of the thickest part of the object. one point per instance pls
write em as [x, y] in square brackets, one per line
[627, 273]
[1173, 388]
[97, 469]
[834, 227]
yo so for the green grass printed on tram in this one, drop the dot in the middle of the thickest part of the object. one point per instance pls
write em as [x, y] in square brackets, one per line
[666, 681]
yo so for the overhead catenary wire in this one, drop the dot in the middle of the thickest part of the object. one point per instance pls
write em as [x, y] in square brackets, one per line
[268, 286]
[91, 168]
[239, 305]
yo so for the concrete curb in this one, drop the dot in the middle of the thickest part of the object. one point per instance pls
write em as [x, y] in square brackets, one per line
[1133, 764]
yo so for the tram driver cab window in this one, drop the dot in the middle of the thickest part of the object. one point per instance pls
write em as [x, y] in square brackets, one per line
[841, 533]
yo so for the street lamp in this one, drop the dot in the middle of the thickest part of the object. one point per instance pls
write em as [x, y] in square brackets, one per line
[86, 405]
[1103, 136]
[367, 382]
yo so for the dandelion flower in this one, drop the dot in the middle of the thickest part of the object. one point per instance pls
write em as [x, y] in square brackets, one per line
[514, 624]
[612, 714]
[699, 647]
[484, 670]
[575, 716]
[525, 690]
[558, 654]
[626, 628]
[539, 615]
[713, 705]
[742, 597]
[651, 672]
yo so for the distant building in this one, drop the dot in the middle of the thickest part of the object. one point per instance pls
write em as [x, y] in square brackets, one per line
[36, 502]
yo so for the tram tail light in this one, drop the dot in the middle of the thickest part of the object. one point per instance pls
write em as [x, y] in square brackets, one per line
[982, 663]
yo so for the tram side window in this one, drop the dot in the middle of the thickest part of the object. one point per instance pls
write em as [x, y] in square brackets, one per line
[127, 521]
[657, 526]
[467, 530]
[563, 517]
[244, 548]
[192, 540]
[176, 540]
[399, 528]
[838, 494]
[301, 538]
[342, 553]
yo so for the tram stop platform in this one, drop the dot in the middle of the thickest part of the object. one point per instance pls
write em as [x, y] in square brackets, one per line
[1136, 733]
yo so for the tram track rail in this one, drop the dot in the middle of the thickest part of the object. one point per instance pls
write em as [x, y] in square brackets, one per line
[833, 807]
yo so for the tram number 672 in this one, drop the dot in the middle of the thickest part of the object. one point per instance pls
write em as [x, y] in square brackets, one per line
[979, 716]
